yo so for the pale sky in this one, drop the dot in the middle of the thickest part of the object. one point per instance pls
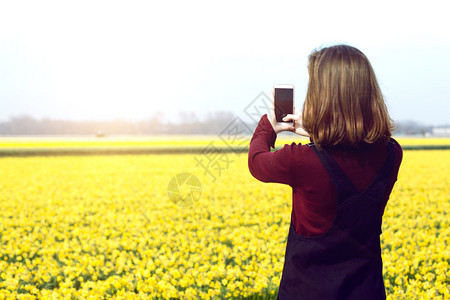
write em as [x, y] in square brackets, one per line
[85, 60]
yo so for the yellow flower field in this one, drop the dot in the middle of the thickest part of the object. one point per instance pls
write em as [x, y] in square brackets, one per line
[165, 141]
[95, 227]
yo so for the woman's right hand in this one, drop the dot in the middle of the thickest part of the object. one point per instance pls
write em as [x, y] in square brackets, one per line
[297, 120]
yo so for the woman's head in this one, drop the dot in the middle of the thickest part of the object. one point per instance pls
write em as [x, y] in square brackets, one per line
[344, 105]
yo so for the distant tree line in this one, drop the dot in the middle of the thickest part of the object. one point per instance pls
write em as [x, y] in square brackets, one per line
[185, 123]
[412, 128]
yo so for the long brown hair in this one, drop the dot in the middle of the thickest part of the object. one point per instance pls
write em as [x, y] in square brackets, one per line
[344, 105]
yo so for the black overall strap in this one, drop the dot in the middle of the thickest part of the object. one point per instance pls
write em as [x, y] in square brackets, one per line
[386, 170]
[344, 187]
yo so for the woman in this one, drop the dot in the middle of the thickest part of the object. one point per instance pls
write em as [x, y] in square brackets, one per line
[340, 182]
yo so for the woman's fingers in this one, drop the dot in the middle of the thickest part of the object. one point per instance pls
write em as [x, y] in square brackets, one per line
[286, 127]
[291, 117]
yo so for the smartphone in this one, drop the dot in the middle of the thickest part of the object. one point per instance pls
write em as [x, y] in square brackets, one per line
[284, 101]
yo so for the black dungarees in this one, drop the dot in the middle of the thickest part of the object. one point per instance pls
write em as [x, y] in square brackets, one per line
[345, 262]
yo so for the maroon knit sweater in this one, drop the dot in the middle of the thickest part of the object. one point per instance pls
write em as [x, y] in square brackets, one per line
[314, 198]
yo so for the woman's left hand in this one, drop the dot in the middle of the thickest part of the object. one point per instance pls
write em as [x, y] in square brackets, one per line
[277, 127]
[295, 118]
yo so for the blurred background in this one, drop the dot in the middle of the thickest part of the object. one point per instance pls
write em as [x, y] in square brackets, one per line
[190, 67]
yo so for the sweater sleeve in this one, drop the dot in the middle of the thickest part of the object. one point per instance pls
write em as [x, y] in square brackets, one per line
[265, 165]
[394, 174]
